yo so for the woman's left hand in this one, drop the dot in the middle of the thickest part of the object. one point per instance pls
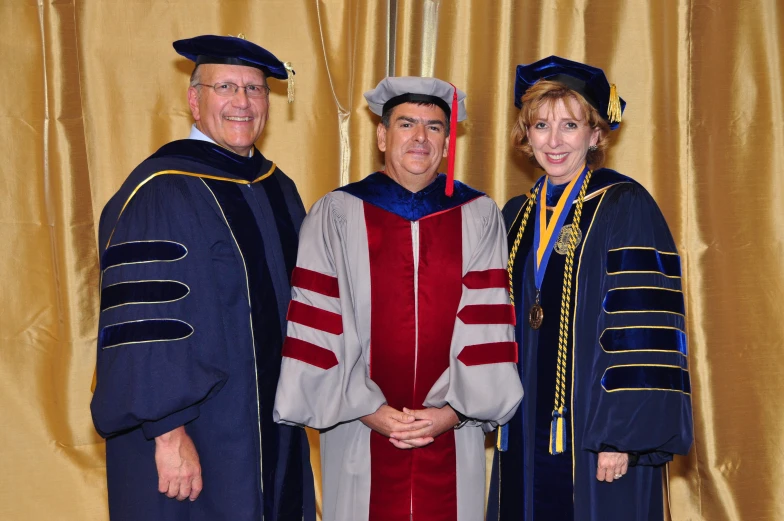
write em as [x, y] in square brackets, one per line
[612, 466]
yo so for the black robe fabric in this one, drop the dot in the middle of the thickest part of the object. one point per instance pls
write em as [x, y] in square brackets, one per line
[627, 381]
[197, 249]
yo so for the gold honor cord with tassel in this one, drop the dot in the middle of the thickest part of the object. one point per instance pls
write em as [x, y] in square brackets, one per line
[513, 254]
[558, 425]
[501, 437]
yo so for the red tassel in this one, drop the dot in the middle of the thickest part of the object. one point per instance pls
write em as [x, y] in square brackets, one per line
[450, 170]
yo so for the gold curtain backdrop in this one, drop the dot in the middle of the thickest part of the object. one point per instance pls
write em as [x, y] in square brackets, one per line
[89, 88]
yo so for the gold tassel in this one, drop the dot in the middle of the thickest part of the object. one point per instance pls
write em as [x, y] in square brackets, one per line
[614, 106]
[558, 431]
[290, 74]
[502, 438]
[241, 36]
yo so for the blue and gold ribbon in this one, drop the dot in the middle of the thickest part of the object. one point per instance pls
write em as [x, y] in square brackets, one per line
[545, 237]
[546, 234]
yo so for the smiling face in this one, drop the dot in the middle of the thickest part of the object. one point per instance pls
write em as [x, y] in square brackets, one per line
[235, 122]
[560, 136]
[414, 144]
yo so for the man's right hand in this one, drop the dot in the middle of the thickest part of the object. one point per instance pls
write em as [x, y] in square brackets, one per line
[387, 420]
[179, 471]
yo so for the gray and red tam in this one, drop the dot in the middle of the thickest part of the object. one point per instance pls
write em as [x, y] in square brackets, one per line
[396, 90]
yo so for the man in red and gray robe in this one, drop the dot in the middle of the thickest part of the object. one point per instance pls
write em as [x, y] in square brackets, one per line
[400, 342]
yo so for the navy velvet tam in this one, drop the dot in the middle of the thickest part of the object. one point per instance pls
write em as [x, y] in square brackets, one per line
[589, 82]
[395, 90]
[230, 50]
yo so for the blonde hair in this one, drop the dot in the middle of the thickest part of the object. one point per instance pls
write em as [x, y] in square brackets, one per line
[547, 93]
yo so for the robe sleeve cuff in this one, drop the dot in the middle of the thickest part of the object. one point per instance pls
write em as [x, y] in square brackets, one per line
[462, 419]
[654, 458]
[153, 429]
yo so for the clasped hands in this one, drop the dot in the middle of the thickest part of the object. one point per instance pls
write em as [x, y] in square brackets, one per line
[410, 429]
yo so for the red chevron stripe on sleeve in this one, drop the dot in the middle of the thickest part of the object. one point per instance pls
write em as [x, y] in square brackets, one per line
[315, 281]
[314, 317]
[487, 314]
[309, 353]
[496, 278]
[492, 353]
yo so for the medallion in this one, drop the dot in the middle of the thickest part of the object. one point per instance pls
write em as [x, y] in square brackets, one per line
[562, 243]
[535, 316]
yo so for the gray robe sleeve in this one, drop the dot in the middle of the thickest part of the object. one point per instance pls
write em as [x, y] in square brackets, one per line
[324, 375]
[482, 381]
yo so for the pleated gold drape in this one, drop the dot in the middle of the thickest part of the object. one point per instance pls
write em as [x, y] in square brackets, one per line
[89, 88]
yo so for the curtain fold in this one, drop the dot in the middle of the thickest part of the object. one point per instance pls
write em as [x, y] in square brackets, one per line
[353, 35]
[51, 455]
[90, 88]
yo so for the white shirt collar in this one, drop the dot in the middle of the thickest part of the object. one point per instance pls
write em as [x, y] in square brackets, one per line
[201, 136]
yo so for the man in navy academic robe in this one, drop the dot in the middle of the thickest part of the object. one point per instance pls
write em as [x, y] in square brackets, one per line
[197, 249]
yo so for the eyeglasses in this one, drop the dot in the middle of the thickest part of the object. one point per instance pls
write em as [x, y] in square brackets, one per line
[228, 89]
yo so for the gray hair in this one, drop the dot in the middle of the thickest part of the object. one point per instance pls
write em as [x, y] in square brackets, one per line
[195, 77]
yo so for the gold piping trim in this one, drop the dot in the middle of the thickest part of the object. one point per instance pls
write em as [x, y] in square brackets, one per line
[189, 174]
[498, 433]
[601, 191]
[645, 310]
[193, 330]
[250, 321]
[644, 272]
[146, 262]
[574, 324]
[155, 302]
[595, 194]
[528, 196]
[641, 350]
[647, 388]
[643, 248]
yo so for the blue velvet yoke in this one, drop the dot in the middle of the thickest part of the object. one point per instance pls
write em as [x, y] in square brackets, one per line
[380, 190]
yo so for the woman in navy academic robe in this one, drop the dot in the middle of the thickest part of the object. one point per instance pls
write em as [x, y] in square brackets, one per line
[596, 283]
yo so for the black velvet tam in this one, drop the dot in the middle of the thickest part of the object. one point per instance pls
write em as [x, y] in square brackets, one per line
[230, 50]
[588, 81]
